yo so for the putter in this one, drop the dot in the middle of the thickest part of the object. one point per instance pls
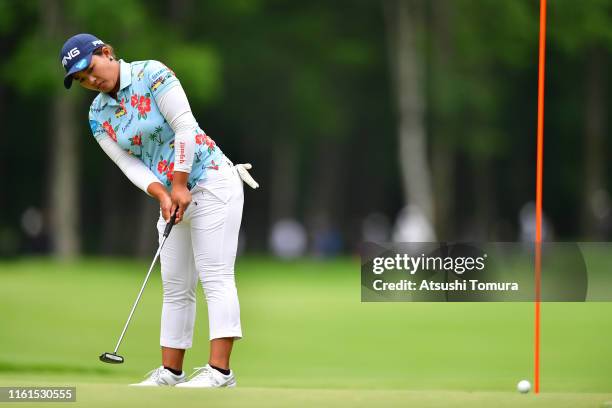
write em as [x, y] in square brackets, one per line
[114, 358]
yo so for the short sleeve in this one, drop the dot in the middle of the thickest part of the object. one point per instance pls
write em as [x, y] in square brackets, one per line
[159, 78]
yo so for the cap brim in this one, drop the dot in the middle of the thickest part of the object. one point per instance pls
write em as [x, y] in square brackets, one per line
[79, 66]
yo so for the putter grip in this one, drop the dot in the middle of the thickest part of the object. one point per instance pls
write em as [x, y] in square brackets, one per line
[170, 224]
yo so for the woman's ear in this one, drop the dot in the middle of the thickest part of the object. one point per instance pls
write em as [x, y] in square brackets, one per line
[107, 53]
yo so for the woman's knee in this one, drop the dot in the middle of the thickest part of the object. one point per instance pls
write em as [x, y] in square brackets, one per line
[178, 293]
[219, 287]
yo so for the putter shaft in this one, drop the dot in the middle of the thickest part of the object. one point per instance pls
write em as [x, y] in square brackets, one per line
[167, 230]
[127, 323]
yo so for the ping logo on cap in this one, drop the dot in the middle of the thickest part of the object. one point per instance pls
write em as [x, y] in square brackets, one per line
[97, 42]
[71, 54]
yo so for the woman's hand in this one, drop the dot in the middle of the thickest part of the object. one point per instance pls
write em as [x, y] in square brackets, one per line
[165, 205]
[158, 191]
[180, 199]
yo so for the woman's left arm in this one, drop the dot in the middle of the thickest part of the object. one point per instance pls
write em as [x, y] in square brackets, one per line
[174, 106]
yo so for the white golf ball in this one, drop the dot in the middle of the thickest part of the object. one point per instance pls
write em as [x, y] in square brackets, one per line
[523, 386]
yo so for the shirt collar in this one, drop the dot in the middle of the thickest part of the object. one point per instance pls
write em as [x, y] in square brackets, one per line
[125, 80]
[125, 74]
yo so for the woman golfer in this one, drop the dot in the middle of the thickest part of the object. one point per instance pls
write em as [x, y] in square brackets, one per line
[142, 120]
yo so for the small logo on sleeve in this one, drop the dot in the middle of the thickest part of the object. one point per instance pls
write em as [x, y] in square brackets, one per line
[182, 152]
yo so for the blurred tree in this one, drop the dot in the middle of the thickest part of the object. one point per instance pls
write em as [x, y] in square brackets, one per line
[294, 74]
[473, 45]
[595, 129]
[306, 92]
[136, 35]
[39, 52]
[443, 112]
[405, 21]
[585, 34]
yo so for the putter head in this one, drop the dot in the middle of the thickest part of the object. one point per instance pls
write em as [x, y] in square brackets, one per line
[111, 358]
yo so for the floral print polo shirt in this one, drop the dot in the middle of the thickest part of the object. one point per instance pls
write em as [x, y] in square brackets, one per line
[134, 121]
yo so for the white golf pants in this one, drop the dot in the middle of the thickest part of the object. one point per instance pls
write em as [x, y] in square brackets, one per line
[203, 245]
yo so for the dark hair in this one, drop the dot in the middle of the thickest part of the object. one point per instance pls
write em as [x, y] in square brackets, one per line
[98, 51]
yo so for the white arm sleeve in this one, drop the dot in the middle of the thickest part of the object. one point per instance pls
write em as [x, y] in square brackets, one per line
[173, 104]
[134, 169]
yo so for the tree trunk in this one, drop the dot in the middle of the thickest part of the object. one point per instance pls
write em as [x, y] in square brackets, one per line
[179, 11]
[118, 223]
[283, 191]
[147, 232]
[443, 158]
[443, 165]
[404, 22]
[483, 200]
[63, 176]
[594, 149]
[325, 209]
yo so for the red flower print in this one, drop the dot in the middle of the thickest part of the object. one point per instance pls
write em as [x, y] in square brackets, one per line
[134, 100]
[209, 142]
[144, 106]
[137, 140]
[109, 129]
[170, 172]
[213, 166]
[204, 139]
[162, 166]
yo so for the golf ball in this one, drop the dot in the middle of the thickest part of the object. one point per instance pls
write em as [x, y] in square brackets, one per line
[523, 386]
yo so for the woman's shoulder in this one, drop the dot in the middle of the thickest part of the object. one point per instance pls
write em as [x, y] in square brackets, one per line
[145, 67]
[146, 63]
[96, 105]
[147, 70]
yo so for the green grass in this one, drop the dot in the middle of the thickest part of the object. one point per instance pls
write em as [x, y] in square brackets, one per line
[308, 340]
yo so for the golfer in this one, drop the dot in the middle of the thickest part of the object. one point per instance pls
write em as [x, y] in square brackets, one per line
[142, 120]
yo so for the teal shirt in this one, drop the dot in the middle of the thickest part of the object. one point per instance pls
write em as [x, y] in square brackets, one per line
[134, 121]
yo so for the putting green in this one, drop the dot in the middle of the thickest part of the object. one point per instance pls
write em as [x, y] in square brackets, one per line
[308, 340]
[109, 395]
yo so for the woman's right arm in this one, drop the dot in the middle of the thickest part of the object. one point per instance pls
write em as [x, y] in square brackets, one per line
[138, 173]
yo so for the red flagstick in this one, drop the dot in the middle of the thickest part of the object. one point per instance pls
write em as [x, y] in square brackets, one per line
[540, 159]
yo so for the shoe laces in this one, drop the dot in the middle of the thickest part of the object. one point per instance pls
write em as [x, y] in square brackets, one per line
[200, 372]
[154, 373]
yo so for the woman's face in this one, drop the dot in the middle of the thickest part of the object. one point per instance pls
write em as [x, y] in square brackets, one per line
[102, 75]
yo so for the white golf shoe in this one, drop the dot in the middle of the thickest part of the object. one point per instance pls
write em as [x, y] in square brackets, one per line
[161, 377]
[208, 377]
